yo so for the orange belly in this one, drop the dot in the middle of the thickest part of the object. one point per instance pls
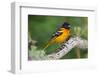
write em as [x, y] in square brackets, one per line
[63, 37]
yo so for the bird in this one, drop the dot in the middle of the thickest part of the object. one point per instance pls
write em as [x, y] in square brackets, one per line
[61, 35]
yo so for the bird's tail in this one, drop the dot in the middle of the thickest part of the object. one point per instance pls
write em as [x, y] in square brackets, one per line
[49, 43]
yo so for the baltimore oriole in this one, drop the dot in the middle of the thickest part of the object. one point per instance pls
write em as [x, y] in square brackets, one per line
[61, 35]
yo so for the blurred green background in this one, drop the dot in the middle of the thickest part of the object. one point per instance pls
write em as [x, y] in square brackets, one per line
[41, 29]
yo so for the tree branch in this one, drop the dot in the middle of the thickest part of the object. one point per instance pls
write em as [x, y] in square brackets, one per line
[67, 46]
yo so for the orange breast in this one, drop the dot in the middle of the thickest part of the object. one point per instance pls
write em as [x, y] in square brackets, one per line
[63, 37]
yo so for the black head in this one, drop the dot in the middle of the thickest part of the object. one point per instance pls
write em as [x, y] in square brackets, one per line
[66, 25]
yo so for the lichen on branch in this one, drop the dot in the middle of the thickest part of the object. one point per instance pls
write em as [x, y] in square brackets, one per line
[61, 51]
[67, 46]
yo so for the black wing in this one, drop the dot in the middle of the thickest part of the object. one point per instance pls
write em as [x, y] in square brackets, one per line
[56, 34]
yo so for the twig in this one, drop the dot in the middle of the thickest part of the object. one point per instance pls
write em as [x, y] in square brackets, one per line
[78, 52]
